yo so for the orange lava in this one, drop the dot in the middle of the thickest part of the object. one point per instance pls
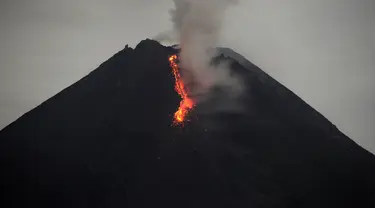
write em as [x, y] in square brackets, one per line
[186, 103]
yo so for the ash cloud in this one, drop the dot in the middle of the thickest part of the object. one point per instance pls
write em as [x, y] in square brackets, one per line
[196, 27]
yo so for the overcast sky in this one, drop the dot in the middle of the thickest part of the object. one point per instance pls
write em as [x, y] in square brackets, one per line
[323, 50]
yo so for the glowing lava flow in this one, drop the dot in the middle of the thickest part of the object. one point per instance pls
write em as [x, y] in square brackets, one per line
[186, 103]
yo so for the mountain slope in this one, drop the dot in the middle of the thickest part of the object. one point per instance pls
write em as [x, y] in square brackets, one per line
[107, 141]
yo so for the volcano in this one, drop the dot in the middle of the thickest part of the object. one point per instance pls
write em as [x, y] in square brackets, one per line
[107, 141]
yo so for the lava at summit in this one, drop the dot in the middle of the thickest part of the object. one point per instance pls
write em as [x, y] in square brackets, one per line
[186, 103]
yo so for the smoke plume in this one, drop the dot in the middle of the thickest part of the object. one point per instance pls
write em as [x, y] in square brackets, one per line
[196, 26]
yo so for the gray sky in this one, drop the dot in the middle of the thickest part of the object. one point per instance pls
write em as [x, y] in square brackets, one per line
[323, 50]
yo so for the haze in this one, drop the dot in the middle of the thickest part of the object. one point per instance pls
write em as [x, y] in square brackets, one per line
[323, 50]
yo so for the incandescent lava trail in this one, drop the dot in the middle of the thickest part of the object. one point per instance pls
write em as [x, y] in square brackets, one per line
[186, 103]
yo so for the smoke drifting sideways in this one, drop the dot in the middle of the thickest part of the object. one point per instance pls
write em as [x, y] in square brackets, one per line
[196, 27]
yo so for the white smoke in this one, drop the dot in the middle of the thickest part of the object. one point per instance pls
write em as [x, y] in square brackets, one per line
[196, 26]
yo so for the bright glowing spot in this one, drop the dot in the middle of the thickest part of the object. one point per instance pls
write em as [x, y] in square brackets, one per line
[186, 103]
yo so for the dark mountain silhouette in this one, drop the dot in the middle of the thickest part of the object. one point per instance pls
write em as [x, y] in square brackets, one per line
[107, 141]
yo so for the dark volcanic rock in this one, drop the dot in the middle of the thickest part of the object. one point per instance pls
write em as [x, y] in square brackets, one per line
[107, 141]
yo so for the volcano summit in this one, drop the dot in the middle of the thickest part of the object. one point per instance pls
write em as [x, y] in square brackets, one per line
[107, 141]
